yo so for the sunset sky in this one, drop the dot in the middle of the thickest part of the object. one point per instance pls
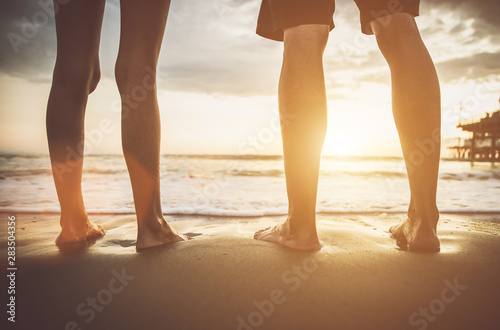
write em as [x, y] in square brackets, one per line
[218, 79]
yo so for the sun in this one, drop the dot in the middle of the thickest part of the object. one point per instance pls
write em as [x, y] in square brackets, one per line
[338, 147]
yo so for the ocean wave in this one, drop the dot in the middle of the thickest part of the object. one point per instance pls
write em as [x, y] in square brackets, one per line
[213, 212]
[17, 173]
[250, 173]
[482, 176]
[99, 171]
[363, 174]
[226, 157]
[470, 176]
[370, 174]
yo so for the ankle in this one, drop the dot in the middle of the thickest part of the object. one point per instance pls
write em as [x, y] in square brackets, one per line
[425, 216]
[150, 218]
[151, 224]
[421, 226]
[73, 219]
[300, 226]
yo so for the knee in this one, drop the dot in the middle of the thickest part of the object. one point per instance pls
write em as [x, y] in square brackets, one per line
[77, 76]
[135, 77]
[396, 34]
[306, 40]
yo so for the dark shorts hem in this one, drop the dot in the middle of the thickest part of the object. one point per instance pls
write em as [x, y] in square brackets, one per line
[277, 15]
[370, 11]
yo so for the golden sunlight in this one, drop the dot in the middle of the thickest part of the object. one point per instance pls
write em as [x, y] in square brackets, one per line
[339, 147]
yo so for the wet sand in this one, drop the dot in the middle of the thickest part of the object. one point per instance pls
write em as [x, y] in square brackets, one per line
[226, 280]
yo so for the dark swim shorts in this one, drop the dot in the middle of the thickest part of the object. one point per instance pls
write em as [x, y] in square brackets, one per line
[277, 15]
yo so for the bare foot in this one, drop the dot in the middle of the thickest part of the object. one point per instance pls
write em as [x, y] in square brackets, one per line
[159, 233]
[79, 231]
[416, 237]
[281, 234]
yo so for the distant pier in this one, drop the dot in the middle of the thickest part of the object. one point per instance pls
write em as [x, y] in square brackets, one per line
[484, 145]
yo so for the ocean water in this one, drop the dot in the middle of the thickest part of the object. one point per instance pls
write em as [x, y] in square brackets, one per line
[237, 186]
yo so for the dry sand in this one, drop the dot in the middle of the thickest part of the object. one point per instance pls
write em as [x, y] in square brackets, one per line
[226, 280]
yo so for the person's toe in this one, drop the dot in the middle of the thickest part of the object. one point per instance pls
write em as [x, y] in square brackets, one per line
[260, 232]
[101, 230]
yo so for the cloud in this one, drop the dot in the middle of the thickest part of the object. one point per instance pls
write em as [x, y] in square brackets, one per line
[211, 47]
[484, 11]
[468, 23]
[477, 66]
[27, 45]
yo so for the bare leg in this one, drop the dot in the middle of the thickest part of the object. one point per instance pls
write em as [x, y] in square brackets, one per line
[142, 28]
[76, 75]
[303, 113]
[417, 113]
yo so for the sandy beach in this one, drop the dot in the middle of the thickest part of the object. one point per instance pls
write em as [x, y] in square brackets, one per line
[226, 280]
